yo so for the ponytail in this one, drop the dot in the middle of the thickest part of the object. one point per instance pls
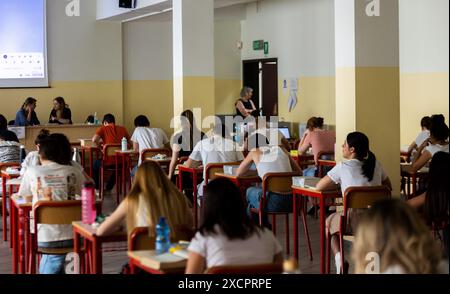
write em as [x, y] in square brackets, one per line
[368, 167]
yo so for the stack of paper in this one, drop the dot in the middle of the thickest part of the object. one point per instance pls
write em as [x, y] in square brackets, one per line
[305, 182]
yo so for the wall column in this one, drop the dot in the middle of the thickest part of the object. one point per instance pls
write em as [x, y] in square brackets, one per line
[193, 56]
[368, 78]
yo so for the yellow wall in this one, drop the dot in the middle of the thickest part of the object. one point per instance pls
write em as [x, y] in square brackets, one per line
[315, 97]
[227, 92]
[421, 94]
[83, 97]
[151, 98]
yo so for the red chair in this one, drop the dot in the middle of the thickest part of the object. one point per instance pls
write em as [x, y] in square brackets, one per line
[52, 213]
[354, 198]
[253, 269]
[321, 163]
[109, 165]
[4, 166]
[279, 183]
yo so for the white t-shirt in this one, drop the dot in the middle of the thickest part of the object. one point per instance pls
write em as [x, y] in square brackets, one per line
[62, 182]
[218, 250]
[273, 160]
[421, 137]
[349, 174]
[435, 148]
[149, 138]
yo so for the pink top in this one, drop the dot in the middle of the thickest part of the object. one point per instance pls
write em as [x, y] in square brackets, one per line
[320, 141]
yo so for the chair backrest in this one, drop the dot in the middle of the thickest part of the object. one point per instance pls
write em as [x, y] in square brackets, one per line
[139, 238]
[149, 153]
[280, 183]
[57, 212]
[212, 168]
[269, 268]
[109, 150]
[5, 165]
[364, 197]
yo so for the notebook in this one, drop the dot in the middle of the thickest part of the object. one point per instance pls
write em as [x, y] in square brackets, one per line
[305, 182]
[161, 261]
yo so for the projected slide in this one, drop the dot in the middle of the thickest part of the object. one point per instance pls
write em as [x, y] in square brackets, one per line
[22, 42]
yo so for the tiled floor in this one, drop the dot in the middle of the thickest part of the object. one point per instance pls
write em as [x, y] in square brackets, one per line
[113, 261]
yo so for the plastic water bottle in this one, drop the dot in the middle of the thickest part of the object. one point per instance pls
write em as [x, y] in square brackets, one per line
[22, 154]
[162, 236]
[124, 144]
[88, 211]
[76, 156]
[95, 119]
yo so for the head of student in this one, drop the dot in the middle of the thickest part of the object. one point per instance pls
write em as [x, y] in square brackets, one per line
[439, 130]
[356, 146]
[160, 196]
[225, 208]
[257, 141]
[56, 148]
[314, 123]
[436, 208]
[246, 93]
[141, 121]
[44, 133]
[108, 119]
[59, 103]
[425, 123]
[396, 234]
[29, 104]
[3, 123]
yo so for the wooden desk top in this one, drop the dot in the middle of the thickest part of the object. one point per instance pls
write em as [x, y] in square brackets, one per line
[166, 262]
[313, 192]
[90, 231]
[250, 176]
[58, 126]
[405, 169]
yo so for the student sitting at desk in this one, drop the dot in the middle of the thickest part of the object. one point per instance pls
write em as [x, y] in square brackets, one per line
[214, 149]
[268, 159]
[7, 134]
[9, 150]
[360, 168]
[26, 116]
[425, 124]
[437, 142]
[227, 236]
[152, 196]
[319, 140]
[60, 113]
[53, 180]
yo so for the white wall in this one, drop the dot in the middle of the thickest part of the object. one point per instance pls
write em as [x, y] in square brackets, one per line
[300, 33]
[424, 29]
[227, 55]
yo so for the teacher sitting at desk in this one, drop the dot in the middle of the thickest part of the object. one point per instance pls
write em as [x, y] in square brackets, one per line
[245, 106]
[60, 113]
[26, 116]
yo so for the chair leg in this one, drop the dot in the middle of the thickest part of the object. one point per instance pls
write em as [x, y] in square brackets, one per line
[341, 245]
[287, 233]
[100, 186]
[305, 228]
[327, 252]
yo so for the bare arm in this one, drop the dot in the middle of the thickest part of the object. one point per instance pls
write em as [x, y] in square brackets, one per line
[411, 147]
[326, 183]
[192, 163]
[174, 160]
[241, 108]
[417, 202]
[196, 263]
[420, 162]
[136, 147]
[115, 221]
[96, 140]
[246, 163]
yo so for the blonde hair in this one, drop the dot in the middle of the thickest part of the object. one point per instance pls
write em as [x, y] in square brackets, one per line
[396, 233]
[160, 196]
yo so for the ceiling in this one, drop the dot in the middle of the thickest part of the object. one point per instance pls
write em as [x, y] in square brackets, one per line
[162, 11]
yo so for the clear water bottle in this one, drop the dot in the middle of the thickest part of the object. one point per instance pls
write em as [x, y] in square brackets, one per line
[162, 244]
[95, 119]
[76, 156]
[88, 210]
[124, 144]
[22, 154]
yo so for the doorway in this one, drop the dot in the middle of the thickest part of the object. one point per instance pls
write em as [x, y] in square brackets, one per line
[262, 76]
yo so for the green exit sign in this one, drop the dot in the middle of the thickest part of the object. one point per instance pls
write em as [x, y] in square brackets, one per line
[258, 45]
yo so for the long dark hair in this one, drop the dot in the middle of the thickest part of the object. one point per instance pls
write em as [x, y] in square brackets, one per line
[436, 206]
[189, 116]
[3, 122]
[224, 207]
[56, 148]
[360, 143]
[439, 129]
[28, 101]
[61, 102]
[314, 122]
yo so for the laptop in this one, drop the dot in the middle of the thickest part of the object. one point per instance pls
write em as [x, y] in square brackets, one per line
[286, 133]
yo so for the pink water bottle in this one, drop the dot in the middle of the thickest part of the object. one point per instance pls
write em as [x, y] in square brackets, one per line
[89, 212]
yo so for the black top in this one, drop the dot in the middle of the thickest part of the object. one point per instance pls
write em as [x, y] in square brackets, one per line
[66, 114]
[9, 136]
[178, 139]
[247, 105]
